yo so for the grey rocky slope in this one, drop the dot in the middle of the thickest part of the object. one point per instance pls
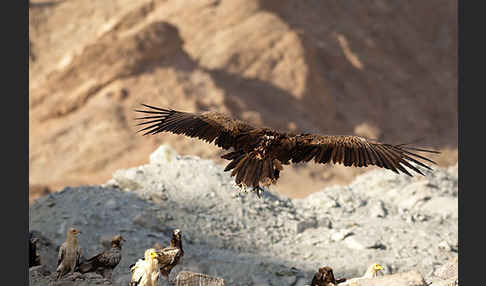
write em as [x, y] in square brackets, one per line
[400, 222]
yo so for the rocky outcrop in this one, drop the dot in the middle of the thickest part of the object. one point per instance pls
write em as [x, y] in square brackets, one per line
[380, 217]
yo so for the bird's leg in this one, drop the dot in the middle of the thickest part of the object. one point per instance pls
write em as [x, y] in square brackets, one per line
[259, 191]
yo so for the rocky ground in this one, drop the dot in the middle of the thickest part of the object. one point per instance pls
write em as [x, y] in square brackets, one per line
[400, 222]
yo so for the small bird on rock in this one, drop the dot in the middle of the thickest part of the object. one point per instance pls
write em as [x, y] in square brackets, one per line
[69, 253]
[104, 262]
[146, 271]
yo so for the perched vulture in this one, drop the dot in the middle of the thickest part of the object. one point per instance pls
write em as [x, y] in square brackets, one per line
[69, 253]
[146, 271]
[371, 272]
[325, 277]
[104, 262]
[34, 257]
[258, 154]
[170, 256]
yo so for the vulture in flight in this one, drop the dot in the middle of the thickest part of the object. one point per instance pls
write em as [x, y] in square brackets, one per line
[257, 154]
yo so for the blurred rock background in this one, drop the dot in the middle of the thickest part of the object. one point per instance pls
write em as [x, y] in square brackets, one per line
[382, 69]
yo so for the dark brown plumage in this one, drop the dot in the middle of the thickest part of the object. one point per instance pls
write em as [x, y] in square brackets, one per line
[170, 256]
[325, 277]
[258, 154]
[34, 257]
[104, 262]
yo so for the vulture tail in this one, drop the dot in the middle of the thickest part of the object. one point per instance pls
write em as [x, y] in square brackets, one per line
[250, 170]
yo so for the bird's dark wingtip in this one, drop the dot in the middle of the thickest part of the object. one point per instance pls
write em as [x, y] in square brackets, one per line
[156, 108]
[414, 148]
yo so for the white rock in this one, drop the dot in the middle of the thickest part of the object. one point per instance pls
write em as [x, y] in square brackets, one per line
[444, 206]
[163, 155]
[338, 235]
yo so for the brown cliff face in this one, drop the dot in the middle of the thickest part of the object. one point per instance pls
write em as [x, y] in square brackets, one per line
[376, 68]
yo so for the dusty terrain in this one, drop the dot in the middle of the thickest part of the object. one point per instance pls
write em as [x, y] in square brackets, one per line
[405, 224]
[383, 69]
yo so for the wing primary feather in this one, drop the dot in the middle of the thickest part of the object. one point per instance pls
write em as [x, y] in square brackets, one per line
[416, 162]
[362, 162]
[326, 156]
[147, 128]
[418, 156]
[392, 155]
[363, 150]
[151, 117]
[158, 108]
[400, 157]
[348, 161]
[340, 154]
[354, 156]
[372, 155]
[390, 164]
[336, 151]
[412, 167]
[333, 154]
[405, 146]
[403, 169]
[149, 122]
[311, 152]
[376, 156]
[320, 154]
[147, 111]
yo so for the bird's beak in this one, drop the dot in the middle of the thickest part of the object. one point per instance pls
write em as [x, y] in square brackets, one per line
[378, 267]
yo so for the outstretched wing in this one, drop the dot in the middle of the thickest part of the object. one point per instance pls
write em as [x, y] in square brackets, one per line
[208, 126]
[357, 151]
